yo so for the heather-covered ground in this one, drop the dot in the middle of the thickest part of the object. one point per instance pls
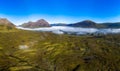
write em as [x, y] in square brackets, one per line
[43, 51]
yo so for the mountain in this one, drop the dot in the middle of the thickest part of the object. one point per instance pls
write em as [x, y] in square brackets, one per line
[6, 25]
[91, 24]
[5, 22]
[37, 24]
[84, 24]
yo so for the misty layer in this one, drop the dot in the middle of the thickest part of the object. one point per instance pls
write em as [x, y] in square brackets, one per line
[73, 30]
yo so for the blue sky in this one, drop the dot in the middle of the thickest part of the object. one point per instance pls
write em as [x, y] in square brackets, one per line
[65, 11]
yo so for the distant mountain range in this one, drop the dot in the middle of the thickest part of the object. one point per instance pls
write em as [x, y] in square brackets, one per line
[91, 24]
[59, 24]
[85, 24]
[44, 23]
[108, 25]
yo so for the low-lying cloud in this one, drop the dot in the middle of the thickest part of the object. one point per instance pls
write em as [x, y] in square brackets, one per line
[73, 30]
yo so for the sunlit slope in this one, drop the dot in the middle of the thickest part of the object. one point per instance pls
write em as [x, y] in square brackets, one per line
[40, 51]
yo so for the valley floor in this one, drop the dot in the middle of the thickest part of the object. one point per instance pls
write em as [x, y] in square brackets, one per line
[43, 51]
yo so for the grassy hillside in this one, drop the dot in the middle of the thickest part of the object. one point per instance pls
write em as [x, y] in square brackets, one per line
[7, 28]
[39, 51]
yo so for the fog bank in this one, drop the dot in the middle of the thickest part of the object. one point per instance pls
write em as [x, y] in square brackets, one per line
[73, 30]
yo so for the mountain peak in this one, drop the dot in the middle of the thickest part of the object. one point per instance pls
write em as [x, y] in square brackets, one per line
[89, 21]
[84, 24]
[37, 24]
[4, 21]
[42, 20]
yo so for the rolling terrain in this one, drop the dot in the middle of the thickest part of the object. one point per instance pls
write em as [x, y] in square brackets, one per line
[22, 50]
[44, 51]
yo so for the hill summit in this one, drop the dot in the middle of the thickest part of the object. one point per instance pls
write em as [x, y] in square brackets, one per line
[6, 22]
[6, 25]
[85, 24]
[37, 24]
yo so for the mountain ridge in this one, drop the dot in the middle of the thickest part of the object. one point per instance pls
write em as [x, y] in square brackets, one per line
[37, 24]
[43, 23]
[85, 24]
